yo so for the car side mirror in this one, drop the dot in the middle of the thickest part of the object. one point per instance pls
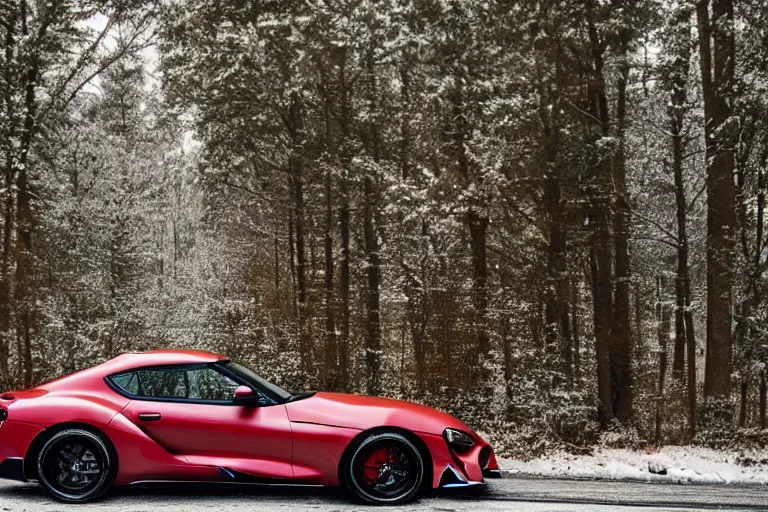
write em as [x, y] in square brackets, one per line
[247, 396]
[244, 393]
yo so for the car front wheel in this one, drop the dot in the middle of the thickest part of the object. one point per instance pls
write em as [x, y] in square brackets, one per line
[76, 466]
[386, 469]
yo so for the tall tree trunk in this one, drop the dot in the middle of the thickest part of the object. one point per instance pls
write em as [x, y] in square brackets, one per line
[373, 344]
[277, 264]
[6, 303]
[175, 234]
[26, 335]
[477, 223]
[506, 348]
[23, 279]
[506, 343]
[602, 306]
[114, 280]
[742, 333]
[685, 339]
[743, 391]
[763, 394]
[416, 318]
[758, 256]
[416, 303]
[5, 273]
[601, 261]
[678, 101]
[344, 213]
[663, 318]
[371, 242]
[558, 327]
[622, 335]
[331, 349]
[690, 346]
[296, 171]
[329, 377]
[311, 228]
[638, 315]
[292, 263]
[331, 355]
[301, 270]
[478, 229]
[575, 301]
[717, 87]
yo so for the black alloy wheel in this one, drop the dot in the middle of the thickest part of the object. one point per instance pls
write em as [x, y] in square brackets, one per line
[76, 466]
[385, 468]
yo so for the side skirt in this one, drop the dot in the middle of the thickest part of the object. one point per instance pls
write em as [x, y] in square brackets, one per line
[218, 482]
[231, 477]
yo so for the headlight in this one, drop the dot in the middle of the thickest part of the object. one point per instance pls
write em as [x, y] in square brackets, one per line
[458, 440]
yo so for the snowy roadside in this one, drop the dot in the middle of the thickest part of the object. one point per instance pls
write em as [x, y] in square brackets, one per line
[672, 464]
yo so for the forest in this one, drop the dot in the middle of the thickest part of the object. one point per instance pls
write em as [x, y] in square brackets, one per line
[546, 217]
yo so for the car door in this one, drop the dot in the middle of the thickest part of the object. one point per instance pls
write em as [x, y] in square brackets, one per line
[190, 411]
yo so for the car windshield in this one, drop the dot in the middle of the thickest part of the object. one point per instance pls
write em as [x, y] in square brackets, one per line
[250, 376]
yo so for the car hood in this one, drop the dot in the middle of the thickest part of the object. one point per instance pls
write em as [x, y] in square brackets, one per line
[362, 413]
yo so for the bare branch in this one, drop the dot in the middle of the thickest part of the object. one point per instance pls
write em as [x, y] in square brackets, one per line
[696, 197]
[106, 64]
[124, 50]
[655, 239]
[584, 112]
[84, 57]
[247, 190]
[693, 153]
[659, 128]
[657, 224]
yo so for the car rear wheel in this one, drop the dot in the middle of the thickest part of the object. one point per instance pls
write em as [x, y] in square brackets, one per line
[385, 468]
[76, 466]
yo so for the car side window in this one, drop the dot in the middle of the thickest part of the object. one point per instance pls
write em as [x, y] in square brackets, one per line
[128, 382]
[210, 385]
[194, 384]
[164, 383]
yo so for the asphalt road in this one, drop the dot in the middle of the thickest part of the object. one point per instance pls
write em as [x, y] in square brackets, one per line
[519, 494]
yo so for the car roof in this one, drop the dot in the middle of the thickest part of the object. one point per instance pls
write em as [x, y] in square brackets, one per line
[132, 360]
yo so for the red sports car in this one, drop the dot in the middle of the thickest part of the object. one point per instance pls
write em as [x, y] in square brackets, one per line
[185, 416]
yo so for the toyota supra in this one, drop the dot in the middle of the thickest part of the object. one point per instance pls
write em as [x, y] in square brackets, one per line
[188, 416]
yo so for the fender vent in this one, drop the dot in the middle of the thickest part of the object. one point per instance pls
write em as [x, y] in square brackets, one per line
[485, 457]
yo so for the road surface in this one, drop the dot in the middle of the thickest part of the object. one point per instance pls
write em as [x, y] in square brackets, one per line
[519, 494]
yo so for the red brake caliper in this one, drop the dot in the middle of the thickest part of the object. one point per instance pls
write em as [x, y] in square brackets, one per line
[374, 461]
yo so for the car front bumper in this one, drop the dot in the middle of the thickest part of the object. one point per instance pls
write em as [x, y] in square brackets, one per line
[452, 469]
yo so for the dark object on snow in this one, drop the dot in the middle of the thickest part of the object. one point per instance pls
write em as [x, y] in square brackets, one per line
[656, 468]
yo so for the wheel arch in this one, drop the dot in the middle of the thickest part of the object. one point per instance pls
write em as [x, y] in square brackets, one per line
[408, 434]
[30, 464]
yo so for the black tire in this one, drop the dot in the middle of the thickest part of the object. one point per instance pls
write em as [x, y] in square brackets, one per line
[76, 465]
[385, 469]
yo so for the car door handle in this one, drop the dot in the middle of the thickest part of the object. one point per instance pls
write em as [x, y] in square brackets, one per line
[149, 416]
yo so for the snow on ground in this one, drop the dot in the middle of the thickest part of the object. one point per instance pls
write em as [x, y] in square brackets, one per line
[670, 464]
